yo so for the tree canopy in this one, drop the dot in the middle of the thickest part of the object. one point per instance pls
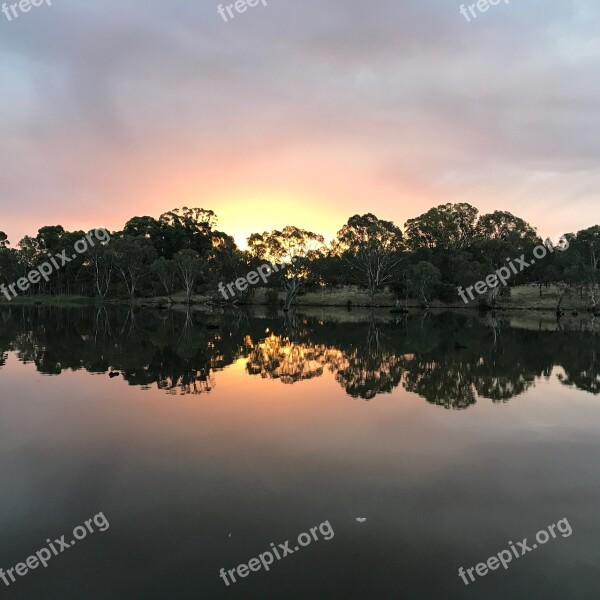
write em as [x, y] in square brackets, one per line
[182, 251]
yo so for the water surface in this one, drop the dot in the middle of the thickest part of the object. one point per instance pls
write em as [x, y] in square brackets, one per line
[223, 432]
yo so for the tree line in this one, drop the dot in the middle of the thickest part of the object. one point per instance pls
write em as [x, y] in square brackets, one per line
[448, 246]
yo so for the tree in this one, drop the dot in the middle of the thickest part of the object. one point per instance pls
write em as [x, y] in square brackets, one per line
[585, 249]
[101, 261]
[296, 249]
[190, 267]
[372, 250]
[504, 226]
[54, 240]
[187, 228]
[133, 257]
[147, 227]
[9, 264]
[166, 271]
[28, 255]
[448, 226]
[228, 263]
[424, 280]
[48, 238]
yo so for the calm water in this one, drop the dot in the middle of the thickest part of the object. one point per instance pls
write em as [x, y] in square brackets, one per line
[452, 434]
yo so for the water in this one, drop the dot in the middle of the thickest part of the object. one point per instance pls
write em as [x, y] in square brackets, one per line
[450, 433]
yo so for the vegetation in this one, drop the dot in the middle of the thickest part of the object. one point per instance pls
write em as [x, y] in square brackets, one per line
[182, 251]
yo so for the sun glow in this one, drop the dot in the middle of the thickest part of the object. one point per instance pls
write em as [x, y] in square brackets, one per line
[244, 214]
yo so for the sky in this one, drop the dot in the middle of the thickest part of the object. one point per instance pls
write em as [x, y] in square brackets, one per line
[301, 112]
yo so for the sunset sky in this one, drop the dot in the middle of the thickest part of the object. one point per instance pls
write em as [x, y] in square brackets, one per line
[302, 112]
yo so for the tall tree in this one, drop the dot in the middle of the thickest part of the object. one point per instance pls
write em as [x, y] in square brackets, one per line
[101, 261]
[371, 249]
[228, 263]
[448, 226]
[133, 257]
[190, 267]
[504, 226]
[292, 253]
[166, 271]
[9, 261]
[585, 249]
[424, 278]
[187, 228]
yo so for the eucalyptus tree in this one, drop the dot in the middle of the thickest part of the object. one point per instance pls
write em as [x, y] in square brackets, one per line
[133, 257]
[585, 250]
[187, 229]
[166, 272]
[292, 253]
[444, 227]
[371, 250]
[189, 266]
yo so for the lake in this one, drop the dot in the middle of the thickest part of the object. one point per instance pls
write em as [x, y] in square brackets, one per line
[448, 435]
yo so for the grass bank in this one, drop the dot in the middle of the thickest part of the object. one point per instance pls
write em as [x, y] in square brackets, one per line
[525, 297]
[43, 300]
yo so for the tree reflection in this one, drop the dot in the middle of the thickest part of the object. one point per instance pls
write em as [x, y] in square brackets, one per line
[451, 360]
[370, 368]
[445, 382]
[278, 357]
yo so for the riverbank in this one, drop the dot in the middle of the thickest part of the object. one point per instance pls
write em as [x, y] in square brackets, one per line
[44, 300]
[526, 297]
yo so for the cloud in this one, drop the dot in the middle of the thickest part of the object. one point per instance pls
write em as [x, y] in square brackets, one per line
[111, 109]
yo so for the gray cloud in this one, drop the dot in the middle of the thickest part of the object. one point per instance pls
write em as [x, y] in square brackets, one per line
[97, 92]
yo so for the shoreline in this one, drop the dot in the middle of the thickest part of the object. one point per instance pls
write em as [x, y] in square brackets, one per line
[160, 303]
